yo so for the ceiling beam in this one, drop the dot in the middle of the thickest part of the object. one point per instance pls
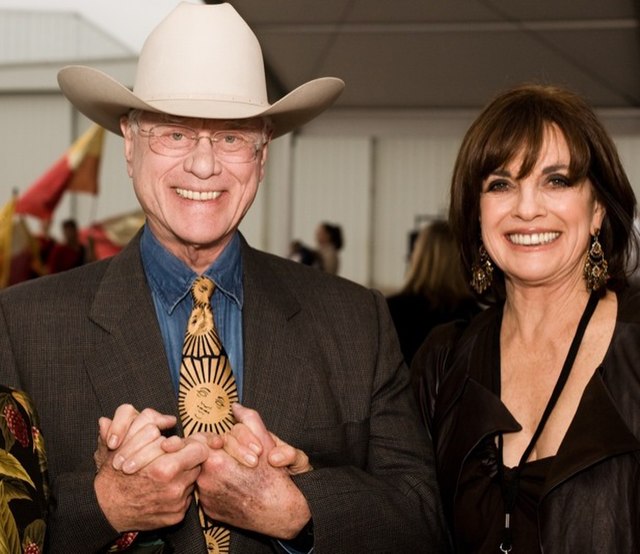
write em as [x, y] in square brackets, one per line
[447, 27]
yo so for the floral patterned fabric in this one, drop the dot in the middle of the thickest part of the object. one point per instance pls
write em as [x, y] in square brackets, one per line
[23, 476]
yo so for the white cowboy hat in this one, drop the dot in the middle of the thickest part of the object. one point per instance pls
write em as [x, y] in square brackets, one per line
[201, 61]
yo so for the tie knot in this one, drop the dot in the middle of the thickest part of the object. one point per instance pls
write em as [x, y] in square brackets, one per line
[202, 289]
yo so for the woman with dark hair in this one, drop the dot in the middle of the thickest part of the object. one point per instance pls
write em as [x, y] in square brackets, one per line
[535, 406]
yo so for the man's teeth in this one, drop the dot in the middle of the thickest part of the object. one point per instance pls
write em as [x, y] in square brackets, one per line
[196, 195]
[533, 239]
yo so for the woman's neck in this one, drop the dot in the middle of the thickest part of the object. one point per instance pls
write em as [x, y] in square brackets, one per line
[535, 313]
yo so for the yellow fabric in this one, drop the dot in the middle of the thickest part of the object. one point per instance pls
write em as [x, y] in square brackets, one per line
[6, 232]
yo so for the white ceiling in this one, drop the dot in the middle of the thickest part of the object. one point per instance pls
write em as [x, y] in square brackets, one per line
[424, 54]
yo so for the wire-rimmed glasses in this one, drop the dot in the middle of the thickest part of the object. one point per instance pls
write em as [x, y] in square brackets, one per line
[229, 145]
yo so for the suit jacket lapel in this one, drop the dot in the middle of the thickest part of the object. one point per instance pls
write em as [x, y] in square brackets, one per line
[128, 363]
[276, 348]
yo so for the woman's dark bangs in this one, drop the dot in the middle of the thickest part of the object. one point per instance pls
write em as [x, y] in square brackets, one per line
[506, 142]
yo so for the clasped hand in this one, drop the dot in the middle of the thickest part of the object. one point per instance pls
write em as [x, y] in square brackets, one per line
[146, 480]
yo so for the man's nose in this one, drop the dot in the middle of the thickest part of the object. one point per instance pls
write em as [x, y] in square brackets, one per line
[202, 160]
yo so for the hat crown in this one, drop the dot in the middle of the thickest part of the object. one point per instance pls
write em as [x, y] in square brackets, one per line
[202, 53]
[201, 61]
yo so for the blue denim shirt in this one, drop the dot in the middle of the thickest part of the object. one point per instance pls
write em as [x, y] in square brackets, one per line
[170, 281]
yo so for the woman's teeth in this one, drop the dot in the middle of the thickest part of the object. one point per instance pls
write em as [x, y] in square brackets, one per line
[533, 239]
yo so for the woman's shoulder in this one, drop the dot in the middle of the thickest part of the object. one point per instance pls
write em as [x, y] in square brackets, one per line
[447, 353]
[458, 333]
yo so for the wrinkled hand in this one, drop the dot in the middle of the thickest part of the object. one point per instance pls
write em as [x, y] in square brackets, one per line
[244, 442]
[131, 432]
[258, 497]
[159, 492]
[137, 438]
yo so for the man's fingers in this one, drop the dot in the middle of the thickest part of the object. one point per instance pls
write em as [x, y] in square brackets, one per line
[189, 458]
[246, 454]
[128, 421]
[254, 423]
[285, 455]
[175, 443]
[133, 462]
[172, 444]
[122, 419]
[103, 429]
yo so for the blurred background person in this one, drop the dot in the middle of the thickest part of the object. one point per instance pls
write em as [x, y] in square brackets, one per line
[435, 290]
[301, 253]
[70, 252]
[329, 242]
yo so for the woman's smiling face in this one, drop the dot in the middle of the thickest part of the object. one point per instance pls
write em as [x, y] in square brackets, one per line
[537, 228]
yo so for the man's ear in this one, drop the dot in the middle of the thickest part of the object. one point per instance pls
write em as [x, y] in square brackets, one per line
[127, 133]
[263, 160]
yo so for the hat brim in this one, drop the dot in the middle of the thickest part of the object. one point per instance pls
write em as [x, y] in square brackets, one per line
[104, 100]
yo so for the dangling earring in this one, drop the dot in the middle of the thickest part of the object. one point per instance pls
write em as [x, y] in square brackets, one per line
[482, 271]
[596, 272]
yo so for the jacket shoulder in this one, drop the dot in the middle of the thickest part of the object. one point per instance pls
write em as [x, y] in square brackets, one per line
[445, 357]
[297, 276]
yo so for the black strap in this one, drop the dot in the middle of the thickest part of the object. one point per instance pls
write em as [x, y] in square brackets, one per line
[510, 484]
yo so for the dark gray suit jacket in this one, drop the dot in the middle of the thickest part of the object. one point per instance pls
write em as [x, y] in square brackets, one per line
[322, 366]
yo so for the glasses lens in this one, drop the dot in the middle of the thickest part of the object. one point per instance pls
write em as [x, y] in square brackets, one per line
[228, 146]
[171, 140]
[235, 146]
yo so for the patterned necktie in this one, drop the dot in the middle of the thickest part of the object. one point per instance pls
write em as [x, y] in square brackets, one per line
[207, 390]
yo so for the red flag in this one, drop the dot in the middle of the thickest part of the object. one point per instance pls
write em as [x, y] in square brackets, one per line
[77, 170]
[108, 237]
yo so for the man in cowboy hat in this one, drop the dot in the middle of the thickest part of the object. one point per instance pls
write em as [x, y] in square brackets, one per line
[314, 356]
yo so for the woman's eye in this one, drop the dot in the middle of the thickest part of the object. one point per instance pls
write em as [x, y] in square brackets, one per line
[496, 186]
[559, 181]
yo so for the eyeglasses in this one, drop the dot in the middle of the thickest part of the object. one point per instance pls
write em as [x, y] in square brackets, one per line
[228, 146]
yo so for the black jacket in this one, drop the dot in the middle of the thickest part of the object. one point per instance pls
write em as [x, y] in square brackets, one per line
[591, 498]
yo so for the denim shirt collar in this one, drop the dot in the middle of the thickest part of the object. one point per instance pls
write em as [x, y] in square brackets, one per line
[170, 279]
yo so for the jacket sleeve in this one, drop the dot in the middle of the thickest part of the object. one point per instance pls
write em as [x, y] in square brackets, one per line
[391, 503]
[430, 364]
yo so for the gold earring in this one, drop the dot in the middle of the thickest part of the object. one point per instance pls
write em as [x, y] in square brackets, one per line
[482, 271]
[596, 268]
